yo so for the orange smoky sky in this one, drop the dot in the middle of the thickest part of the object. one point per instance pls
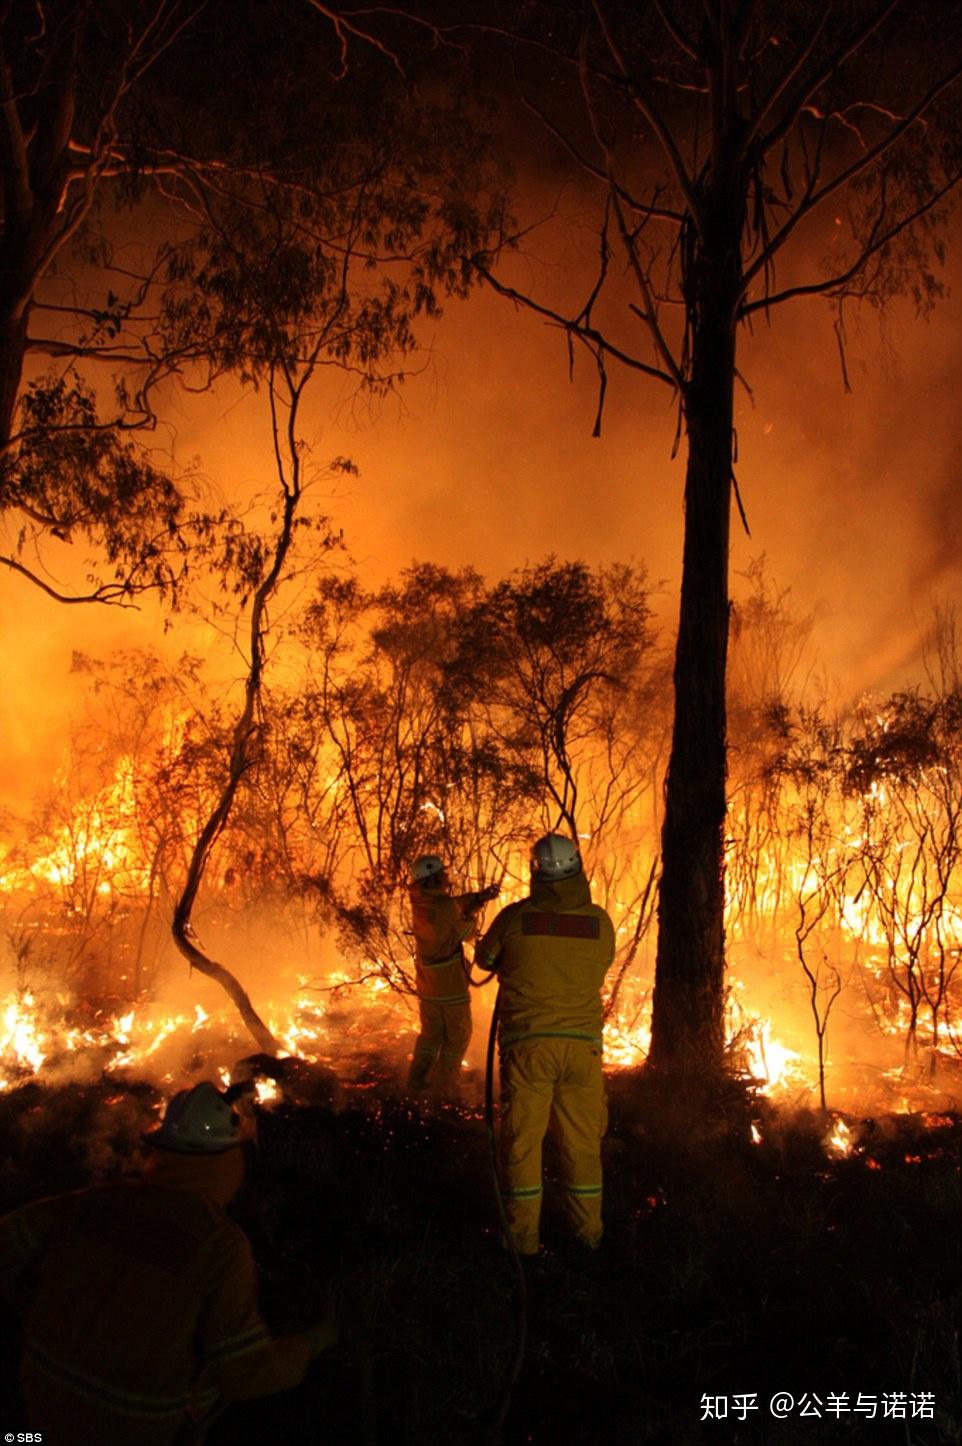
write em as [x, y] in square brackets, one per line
[485, 457]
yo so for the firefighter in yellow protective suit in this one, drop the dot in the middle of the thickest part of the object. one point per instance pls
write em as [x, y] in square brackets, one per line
[551, 952]
[442, 921]
[139, 1300]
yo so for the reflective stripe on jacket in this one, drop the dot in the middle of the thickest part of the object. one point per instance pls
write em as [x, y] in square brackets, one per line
[441, 923]
[142, 1300]
[551, 952]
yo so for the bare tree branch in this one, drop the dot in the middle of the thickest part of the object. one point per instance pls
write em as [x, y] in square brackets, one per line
[833, 283]
[646, 106]
[781, 85]
[116, 594]
[344, 29]
[19, 192]
[590, 335]
[650, 314]
[645, 210]
[677, 33]
[850, 173]
[829, 68]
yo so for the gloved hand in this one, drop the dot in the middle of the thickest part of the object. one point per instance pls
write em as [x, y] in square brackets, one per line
[491, 892]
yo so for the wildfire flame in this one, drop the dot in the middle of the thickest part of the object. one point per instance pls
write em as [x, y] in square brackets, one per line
[32, 1045]
[102, 844]
[20, 1041]
[839, 1143]
[774, 1064]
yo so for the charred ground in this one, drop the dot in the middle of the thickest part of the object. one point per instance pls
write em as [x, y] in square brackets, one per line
[728, 1268]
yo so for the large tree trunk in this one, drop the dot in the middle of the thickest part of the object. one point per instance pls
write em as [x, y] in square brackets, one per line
[687, 1022]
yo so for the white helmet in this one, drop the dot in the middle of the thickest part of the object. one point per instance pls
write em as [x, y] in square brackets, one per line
[555, 857]
[197, 1121]
[426, 866]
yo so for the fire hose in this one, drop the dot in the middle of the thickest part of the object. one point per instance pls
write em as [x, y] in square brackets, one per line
[493, 1428]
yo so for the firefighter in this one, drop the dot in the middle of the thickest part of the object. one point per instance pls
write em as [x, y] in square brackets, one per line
[442, 921]
[551, 952]
[139, 1299]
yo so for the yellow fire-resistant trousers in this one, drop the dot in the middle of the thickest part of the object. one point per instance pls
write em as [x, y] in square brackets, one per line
[440, 1047]
[554, 1083]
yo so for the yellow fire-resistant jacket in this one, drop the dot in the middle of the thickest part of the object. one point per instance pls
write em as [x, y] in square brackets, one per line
[551, 952]
[441, 924]
[141, 1305]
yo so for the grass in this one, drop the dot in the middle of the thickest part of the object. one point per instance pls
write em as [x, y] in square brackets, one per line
[727, 1268]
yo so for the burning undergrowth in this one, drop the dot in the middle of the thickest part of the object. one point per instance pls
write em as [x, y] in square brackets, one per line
[749, 1238]
[391, 729]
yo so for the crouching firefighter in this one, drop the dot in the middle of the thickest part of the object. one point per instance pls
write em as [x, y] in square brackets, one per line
[551, 952]
[441, 921]
[138, 1298]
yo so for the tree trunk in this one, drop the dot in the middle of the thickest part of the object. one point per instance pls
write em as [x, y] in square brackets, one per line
[228, 982]
[13, 343]
[687, 1021]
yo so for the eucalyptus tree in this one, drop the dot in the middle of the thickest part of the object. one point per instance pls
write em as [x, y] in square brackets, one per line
[175, 174]
[746, 155]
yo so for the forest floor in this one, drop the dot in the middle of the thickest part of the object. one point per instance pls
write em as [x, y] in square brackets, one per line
[731, 1272]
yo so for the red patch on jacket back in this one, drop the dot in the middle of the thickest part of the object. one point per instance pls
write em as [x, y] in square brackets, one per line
[561, 926]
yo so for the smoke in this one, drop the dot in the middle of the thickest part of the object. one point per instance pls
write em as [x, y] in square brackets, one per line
[65, 1135]
[855, 497]
[485, 458]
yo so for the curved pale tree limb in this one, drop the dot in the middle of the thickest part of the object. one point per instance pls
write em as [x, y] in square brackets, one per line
[243, 738]
[812, 84]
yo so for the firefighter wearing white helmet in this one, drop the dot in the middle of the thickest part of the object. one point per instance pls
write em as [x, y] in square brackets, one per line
[140, 1315]
[428, 866]
[441, 922]
[555, 857]
[198, 1121]
[551, 952]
